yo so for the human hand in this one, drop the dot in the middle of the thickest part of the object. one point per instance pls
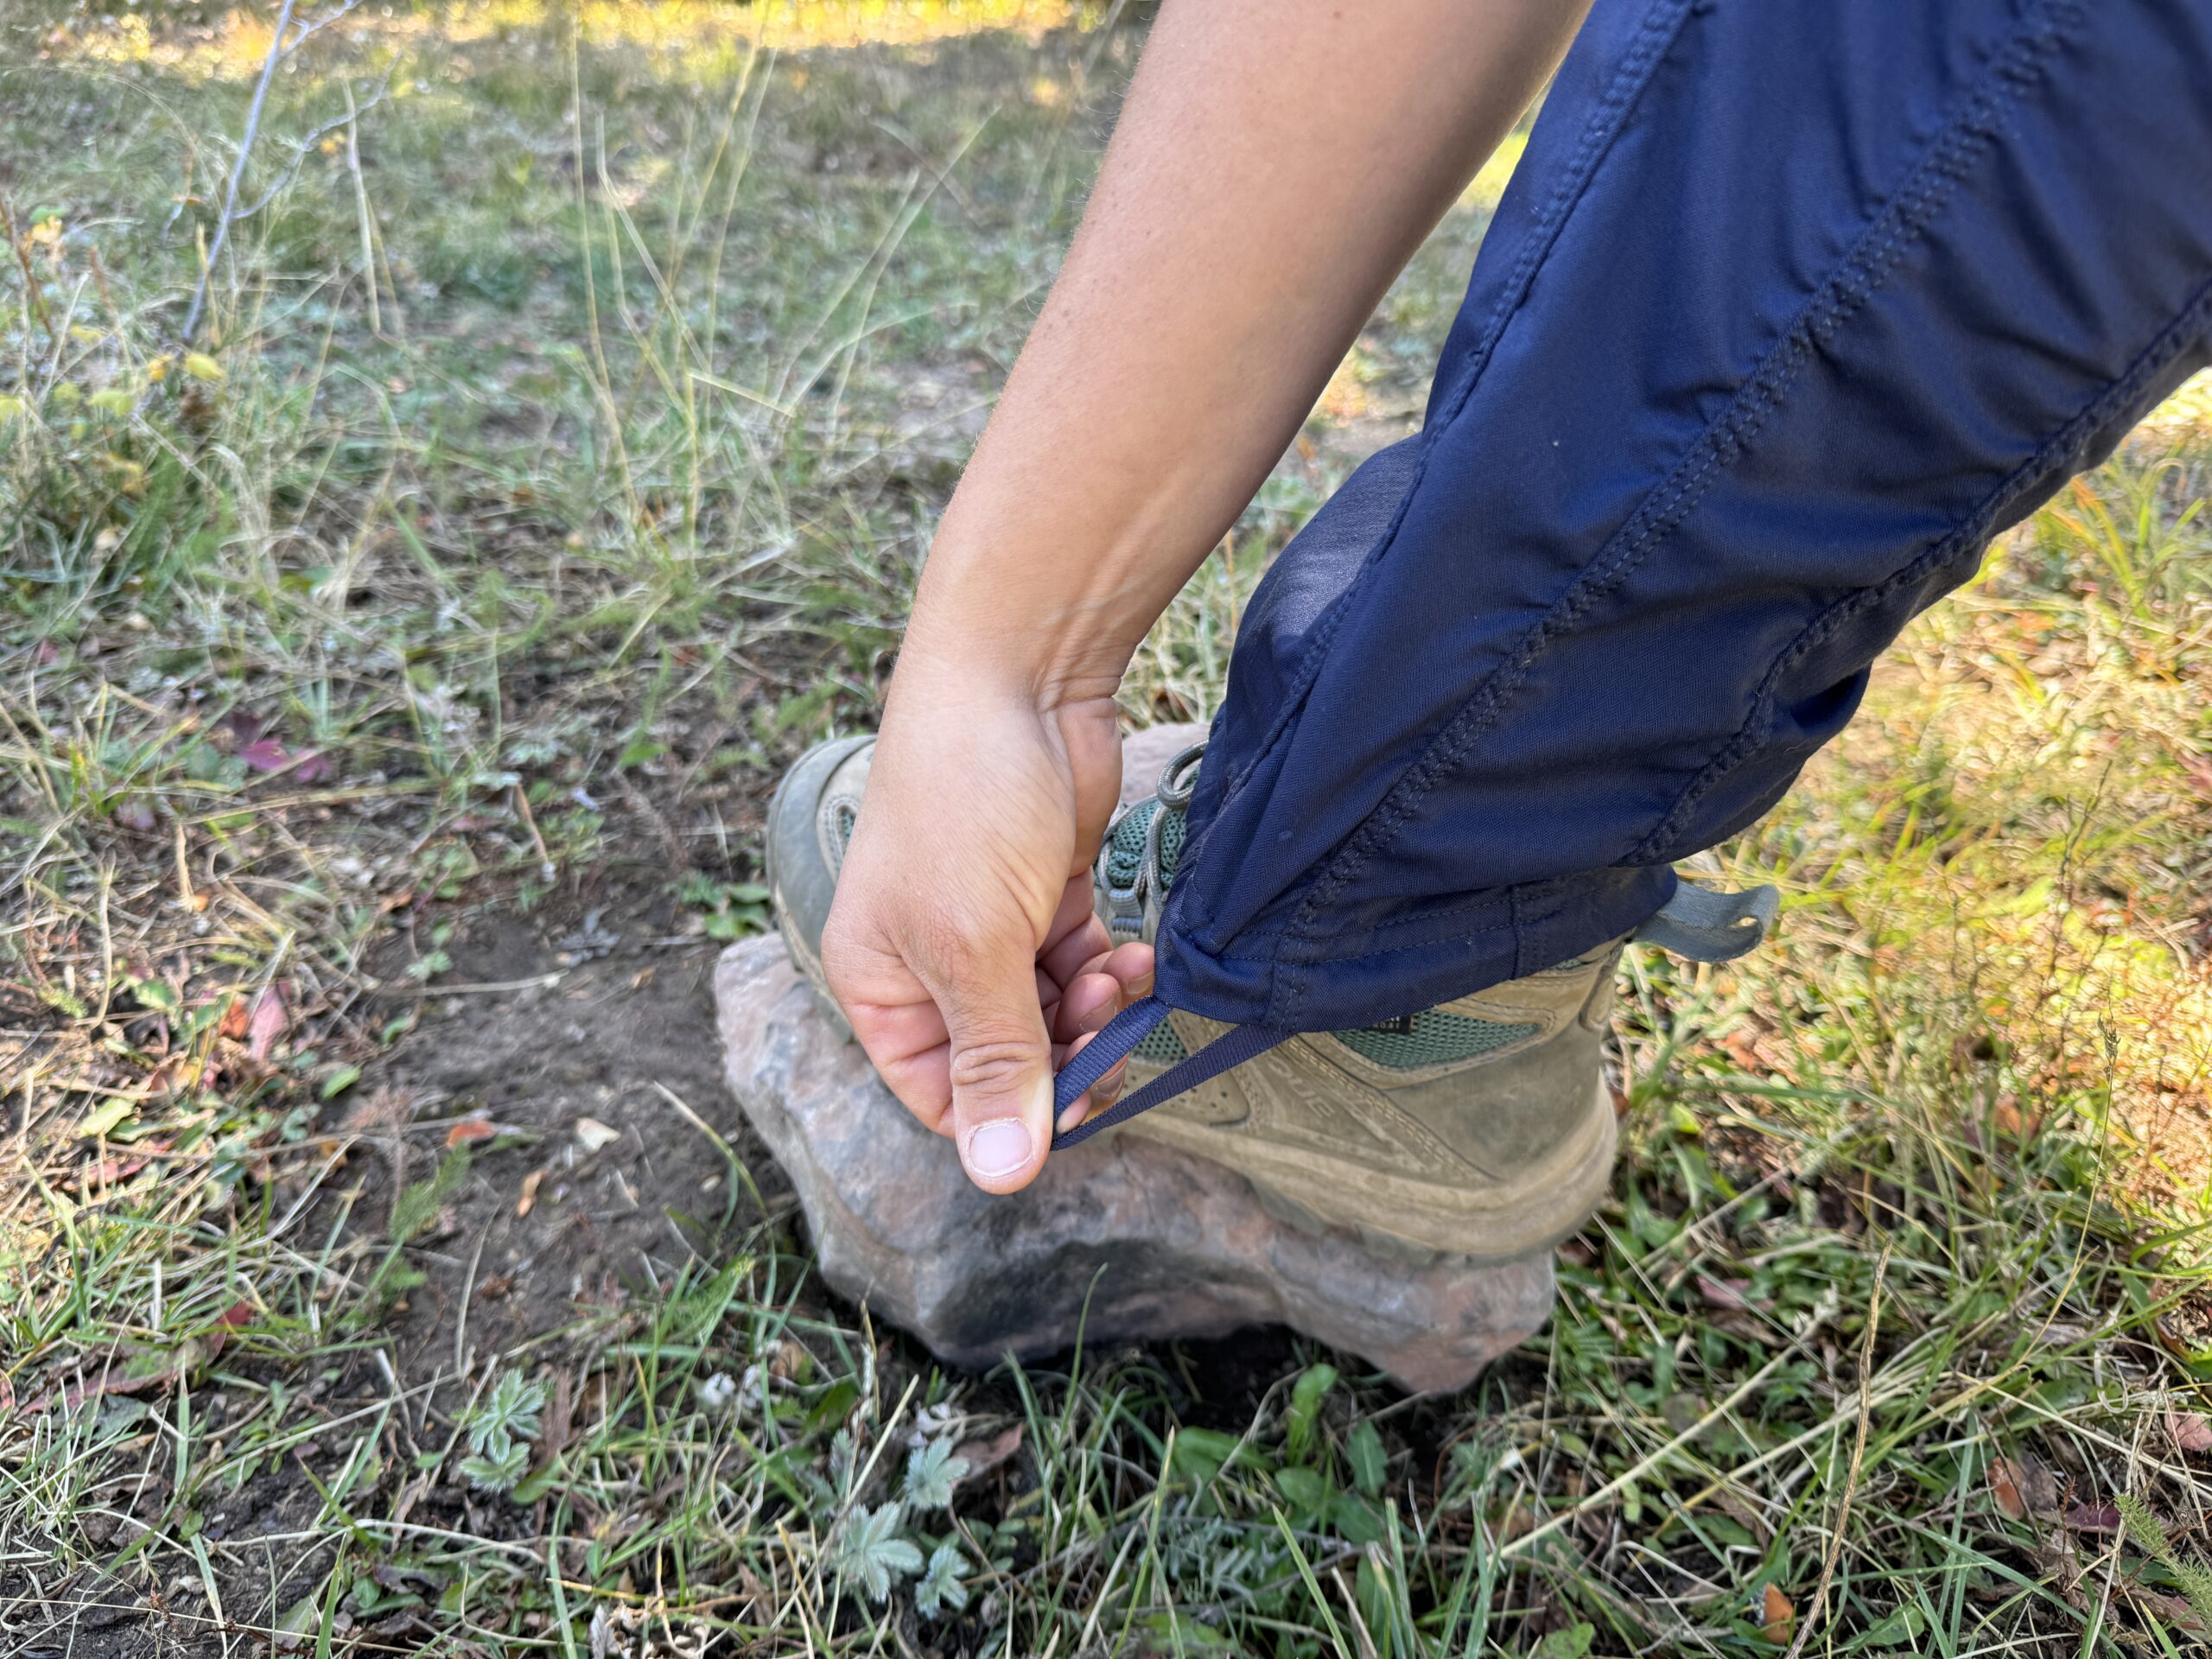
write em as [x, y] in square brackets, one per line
[962, 944]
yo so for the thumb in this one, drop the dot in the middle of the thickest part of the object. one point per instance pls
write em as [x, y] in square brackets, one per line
[1001, 1067]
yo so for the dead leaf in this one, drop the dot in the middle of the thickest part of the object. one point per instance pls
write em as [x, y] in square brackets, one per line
[560, 1411]
[528, 1199]
[2022, 1484]
[266, 754]
[2094, 1518]
[592, 1134]
[2005, 1489]
[2191, 1431]
[2172, 1609]
[267, 1022]
[1733, 1506]
[983, 1455]
[233, 1025]
[469, 1131]
[1721, 1292]
[1742, 1047]
[1778, 1617]
[2022, 1127]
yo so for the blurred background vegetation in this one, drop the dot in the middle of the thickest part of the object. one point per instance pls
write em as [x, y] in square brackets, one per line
[451, 455]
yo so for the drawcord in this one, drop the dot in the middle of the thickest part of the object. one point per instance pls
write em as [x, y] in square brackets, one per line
[1114, 1044]
[1696, 922]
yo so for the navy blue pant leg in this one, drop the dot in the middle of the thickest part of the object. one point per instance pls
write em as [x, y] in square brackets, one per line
[1791, 305]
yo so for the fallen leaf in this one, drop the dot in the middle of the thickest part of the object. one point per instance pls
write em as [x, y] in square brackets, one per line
[1721, 1293]
[2023, 1483]
[267, 1022]
[2005, 1489]
[592, 1134]
[983, 1455]
[1742, 1047]
[2022, 1127]
[266, 754]
[528, 1199]
[2192, 1432]
[2094, 1518]
[2174, 1610]
[1779, 1617]
[234, 1021]
[1733, 1506]
[313, 767]
[468, 1131]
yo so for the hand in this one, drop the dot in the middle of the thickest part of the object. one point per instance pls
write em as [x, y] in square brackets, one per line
[962, 944]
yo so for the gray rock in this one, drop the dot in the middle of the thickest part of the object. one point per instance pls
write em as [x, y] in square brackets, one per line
[1118, 1238]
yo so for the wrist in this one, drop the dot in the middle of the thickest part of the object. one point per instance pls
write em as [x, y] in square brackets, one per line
[1011, 628]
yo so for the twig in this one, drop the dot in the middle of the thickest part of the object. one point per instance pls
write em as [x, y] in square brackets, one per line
[1820, 1601]
[305, 144]
[276, 50]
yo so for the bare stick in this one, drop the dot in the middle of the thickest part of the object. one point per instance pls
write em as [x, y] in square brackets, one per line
[277, 50]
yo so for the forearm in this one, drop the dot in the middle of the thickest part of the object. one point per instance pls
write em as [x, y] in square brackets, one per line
[1276, 163]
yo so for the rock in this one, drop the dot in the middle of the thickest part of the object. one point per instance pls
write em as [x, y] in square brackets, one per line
[1119, 1238]
[1143, 754]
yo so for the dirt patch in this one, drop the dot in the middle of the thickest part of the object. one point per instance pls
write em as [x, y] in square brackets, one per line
[594, 1074]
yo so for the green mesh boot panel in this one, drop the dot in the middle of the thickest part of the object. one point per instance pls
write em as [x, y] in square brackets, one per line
[1430, 1039]
[1408, 1045]
[1126, 853]
[1161, 1044]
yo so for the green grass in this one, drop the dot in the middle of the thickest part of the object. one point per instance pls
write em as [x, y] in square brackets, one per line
[554, 467]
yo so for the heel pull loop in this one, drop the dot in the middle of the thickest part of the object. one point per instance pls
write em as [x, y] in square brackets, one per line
[1704, 926]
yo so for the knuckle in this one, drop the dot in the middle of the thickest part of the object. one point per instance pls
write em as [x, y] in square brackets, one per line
[992, 1066]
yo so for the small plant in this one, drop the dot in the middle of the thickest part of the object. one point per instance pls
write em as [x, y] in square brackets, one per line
[2149, 1535]
[932, 1471]
[501, 1428]
[732, 909]
[873, 1548]
[943, 1588]
[868, 1547]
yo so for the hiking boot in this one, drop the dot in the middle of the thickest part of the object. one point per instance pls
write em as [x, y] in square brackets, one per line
[1480, 1129]
[811, 820]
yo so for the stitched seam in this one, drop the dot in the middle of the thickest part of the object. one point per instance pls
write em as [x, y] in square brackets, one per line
[1663, 512]
[1636, 64]
[2169, 342]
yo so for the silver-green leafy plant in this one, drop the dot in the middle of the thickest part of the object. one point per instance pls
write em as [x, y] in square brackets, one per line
[869, 1550]
[501, 1428]
[943, 1588]
[932, 1471]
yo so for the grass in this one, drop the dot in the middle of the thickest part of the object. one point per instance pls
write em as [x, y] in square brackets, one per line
[552, 469]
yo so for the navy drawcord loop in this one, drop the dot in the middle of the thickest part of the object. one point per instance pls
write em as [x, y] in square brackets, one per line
[1116, 1042]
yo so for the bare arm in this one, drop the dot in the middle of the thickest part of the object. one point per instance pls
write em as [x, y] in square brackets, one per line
[1276, 163]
